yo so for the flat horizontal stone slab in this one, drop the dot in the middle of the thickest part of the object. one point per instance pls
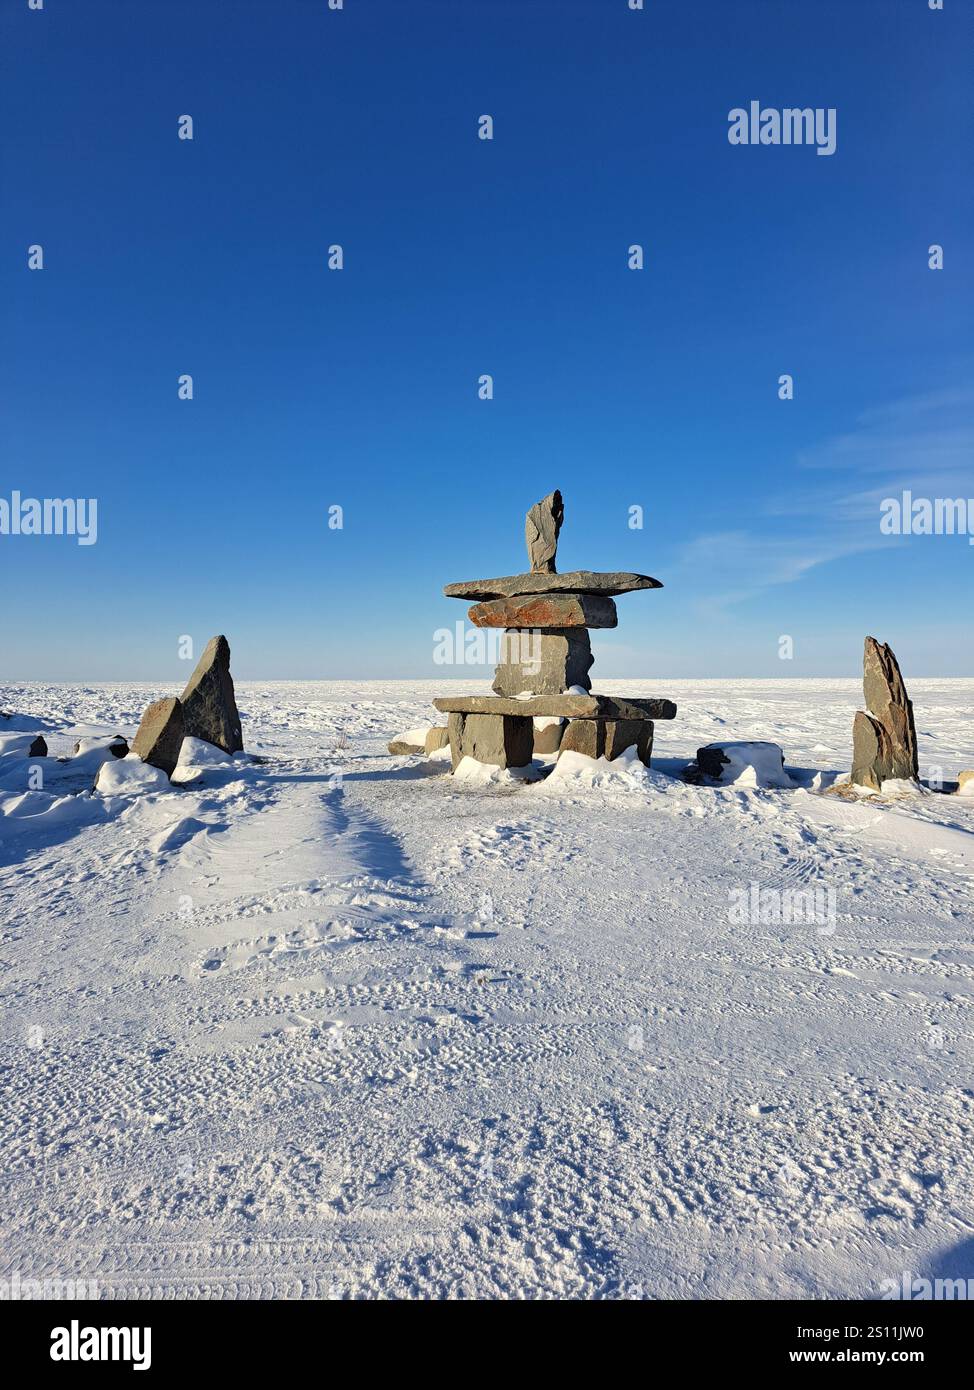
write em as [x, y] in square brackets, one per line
[546, 611]
[577, 581]
[567, 706]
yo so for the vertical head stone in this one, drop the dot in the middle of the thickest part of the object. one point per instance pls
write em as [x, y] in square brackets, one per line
[541, 532]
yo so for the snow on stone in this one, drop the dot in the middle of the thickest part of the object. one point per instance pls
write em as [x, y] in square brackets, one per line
[752, 765]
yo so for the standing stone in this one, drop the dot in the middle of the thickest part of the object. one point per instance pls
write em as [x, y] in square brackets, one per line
[502, 740]
[541, 529]
[608, 738]
[209, 707]
[160, 735]
[546, 663]
[436, 739]
[884, 741]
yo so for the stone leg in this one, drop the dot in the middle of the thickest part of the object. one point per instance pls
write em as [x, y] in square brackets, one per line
[544, 662]
[548, 739]
[608, 738]
[502, 740]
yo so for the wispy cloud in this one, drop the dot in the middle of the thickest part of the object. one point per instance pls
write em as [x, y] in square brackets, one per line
[924, 442]
[738, 565]
[911, 438]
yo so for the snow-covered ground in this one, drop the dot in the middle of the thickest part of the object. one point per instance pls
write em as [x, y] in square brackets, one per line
[334, 1024]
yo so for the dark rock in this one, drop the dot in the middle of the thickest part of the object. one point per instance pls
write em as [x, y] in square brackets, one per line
[500, 740]
[545, 611]
[608, 738]
[541, 528]
[884, 741]
[209, 706]
[160, 735]
[38, 749]
[576, 581]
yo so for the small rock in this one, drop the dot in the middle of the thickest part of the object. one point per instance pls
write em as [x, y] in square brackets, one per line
[412, 741]
[436, 739]
[965, 783]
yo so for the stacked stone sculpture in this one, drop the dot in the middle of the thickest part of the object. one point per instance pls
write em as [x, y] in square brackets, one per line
[546, 659]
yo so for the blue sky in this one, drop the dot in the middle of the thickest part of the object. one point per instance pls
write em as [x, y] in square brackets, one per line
[359, 387]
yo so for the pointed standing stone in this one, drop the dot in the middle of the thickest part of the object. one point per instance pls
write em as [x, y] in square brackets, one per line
[884, 741]
[209, 706]
[541, 529]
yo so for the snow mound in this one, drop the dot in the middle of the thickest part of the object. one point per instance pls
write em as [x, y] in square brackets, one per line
[128, 777]
[29, 805]
[196, 756]
[16, 745]
[97, 743]
[485, 774]
[900, 788]
[580, 770]
[750, 765]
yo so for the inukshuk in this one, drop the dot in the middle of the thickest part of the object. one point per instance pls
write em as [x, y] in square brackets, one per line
[546, 658]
